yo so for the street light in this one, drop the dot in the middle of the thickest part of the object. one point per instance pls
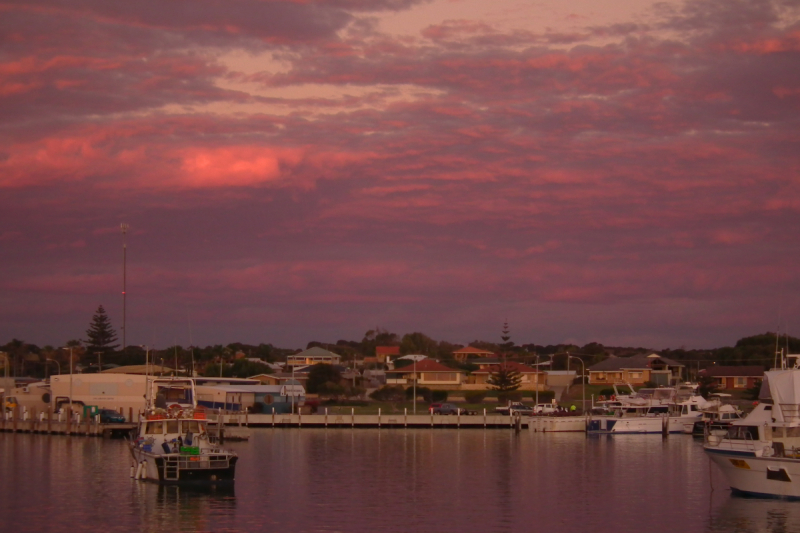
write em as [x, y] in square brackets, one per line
[56, 362]
[583, 380]
[70, 377]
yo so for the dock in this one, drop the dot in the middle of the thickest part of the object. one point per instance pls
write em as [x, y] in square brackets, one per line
[48, 423]
[380, 420]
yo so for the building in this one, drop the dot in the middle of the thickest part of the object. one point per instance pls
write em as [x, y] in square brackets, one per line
[479, 379]
[636, 370]
[469, 352]
[313, 356]
[386, 353]
[734, 377]
[427, 373]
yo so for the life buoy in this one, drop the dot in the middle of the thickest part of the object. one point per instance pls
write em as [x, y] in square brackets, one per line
[613, 397]
[175, 406]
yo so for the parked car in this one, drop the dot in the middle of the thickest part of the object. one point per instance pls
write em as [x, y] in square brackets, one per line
[448, 409]
[109, 416]
[514, 408]
[545, 409]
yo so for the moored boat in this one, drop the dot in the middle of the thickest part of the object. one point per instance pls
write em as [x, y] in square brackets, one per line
[173, 444]
[760, 454]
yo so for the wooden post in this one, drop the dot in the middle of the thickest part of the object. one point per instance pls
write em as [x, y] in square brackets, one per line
[130, 414]
[16, 416]
[49, 419]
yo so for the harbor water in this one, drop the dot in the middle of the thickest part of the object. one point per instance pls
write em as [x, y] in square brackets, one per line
[392, 480]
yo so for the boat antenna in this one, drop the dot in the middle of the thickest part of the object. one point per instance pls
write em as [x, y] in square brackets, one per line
[777, 341]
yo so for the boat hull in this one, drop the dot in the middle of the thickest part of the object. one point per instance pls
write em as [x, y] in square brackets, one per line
[175, 469]
[645, 424]
[765, 477]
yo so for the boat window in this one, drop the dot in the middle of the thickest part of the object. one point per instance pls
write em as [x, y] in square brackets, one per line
[659, 409]
[793, 432]
[154, 428]
[172, 426]
[190, 425]
[743, 432]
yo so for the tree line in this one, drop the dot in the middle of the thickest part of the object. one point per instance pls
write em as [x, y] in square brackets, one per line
[101, 346]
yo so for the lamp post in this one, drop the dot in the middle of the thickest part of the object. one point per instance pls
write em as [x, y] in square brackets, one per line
[56, 362]
[583, 380]
[415, 385]
[5, 366]
[124, 228]
[70, 376]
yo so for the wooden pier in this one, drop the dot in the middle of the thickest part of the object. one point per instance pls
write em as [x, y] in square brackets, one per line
[380, 420]
[61, 424]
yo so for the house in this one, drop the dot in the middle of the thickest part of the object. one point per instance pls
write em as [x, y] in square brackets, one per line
[636, 370]
[313, 356]
[385, 353]
[282, 378]
[734, 377]
[479, 379]
[427, 373]
[469, 352]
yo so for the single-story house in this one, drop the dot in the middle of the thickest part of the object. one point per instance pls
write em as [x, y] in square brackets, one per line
[427, 373]
[313, 356]
[469, 352]
[479, 379]
[734, 377]
[636, 370]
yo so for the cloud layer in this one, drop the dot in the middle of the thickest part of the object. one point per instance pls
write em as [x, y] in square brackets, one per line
[296, 170]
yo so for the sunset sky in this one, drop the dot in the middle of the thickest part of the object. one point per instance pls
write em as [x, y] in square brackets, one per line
[626, 172]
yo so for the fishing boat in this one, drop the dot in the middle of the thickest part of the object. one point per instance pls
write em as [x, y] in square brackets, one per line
[173, 444]
[716, 418]
[760, 454]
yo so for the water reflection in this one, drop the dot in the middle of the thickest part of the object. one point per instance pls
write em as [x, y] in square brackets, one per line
[174, 508]
[371, 480]
[752, 515]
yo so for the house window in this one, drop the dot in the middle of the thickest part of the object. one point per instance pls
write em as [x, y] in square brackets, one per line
[600, 375]
[635, 375]
[740, 383]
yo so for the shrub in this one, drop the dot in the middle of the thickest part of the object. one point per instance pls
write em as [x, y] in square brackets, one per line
[425, 392]
[439, 396]
[475, 396]
[509, 396]
[545, 396]
[389, 393]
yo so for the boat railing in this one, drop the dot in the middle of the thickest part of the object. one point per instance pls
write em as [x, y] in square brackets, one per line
[197, 462]
[790, 411]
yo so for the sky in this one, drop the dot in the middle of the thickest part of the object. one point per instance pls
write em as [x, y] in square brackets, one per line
[617, 171]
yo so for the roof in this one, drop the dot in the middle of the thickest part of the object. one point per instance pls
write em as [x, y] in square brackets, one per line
[472, 350]
[316, 351]
[387, 350]
[755, 371]
[140, 369]
[426, 365]
[513, 365]
[633, 362]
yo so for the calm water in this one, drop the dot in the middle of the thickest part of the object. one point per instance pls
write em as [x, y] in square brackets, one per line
[389, 480]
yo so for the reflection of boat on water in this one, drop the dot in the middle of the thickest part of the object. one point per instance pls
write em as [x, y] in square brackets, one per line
[173, 445]
[755, 515]
[760, 454]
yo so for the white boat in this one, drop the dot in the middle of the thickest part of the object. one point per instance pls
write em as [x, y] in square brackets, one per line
[173, 445]
[650, 410]
[760, 454]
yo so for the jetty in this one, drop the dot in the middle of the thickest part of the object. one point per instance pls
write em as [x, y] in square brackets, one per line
[61, 424]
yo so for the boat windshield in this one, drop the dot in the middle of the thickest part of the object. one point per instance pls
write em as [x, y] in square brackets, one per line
[743, 432]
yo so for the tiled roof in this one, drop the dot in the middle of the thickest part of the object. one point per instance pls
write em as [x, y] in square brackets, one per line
[519, 367]
[426, 365]
[733, 371]
[632, 362]
[471, 349]
[387, 350]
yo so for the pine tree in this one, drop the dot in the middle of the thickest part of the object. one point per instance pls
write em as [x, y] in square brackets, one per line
[100, 335]
[506, 379]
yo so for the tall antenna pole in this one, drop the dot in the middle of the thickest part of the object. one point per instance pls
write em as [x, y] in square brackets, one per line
[124, 227]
